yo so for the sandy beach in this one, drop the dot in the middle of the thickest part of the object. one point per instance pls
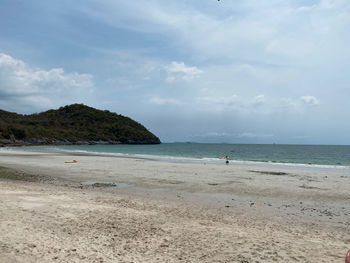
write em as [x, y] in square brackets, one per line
[113, 209]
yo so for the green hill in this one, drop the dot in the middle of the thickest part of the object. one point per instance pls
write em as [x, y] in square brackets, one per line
[73, 124]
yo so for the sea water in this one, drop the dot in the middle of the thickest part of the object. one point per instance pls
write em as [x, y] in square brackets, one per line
[188, 152]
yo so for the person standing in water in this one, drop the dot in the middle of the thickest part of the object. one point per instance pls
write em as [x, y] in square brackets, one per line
[227, 159]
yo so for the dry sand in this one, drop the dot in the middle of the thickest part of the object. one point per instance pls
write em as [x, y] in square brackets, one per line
[169, 212]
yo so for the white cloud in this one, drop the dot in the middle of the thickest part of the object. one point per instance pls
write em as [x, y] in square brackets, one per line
[255, 105]
[259, 100]
[214, 134]
[243, 135]
[253, 135]
[249, 30]
[218, 103]
[38, 88]
[334, 3]
[231, 103]
[178, 70]
[296, 105]
[309, 100]
[164, 101]
[288, 103]
[246, 68]
[291, 47]
[306, 8]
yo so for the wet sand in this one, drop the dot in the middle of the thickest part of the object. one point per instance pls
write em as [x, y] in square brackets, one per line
[108, 209]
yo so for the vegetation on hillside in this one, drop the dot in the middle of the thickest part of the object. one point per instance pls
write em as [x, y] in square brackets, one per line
[75, 123]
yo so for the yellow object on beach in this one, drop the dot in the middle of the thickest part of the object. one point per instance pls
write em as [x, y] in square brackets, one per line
[74, 161]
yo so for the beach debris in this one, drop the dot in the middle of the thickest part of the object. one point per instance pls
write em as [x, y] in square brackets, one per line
[74, 161]
[103, 184]
[99, 184]
[268, 172]
[312, 187]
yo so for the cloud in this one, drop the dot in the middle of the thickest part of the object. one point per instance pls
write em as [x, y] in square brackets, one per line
[218, 103]
[306, 8]
[309, 100]
[289, 104]
[291, 47]
[231, 103]
[178, 70]
[254, 135]
[256, 105]
[252, 30]
[214, 134]
[259, 100]
[164, 101]
[231, 135]
[302, 137]
[28, 87]
[246, 68]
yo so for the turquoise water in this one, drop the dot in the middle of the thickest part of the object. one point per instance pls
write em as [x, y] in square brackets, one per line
[296, 154]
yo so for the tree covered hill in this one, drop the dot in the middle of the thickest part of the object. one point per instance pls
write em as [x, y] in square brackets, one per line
[72, 124]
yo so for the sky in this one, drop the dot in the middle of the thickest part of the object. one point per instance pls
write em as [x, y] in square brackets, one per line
[252, 71]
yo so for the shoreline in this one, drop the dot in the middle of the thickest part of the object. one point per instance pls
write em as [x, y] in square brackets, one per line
[193, 177]
[177, 212]
[186, 160]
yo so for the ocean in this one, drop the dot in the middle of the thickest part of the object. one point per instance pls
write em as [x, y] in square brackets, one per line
[329, 155]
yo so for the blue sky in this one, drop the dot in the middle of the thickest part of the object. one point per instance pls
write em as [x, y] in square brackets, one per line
[253, 71]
